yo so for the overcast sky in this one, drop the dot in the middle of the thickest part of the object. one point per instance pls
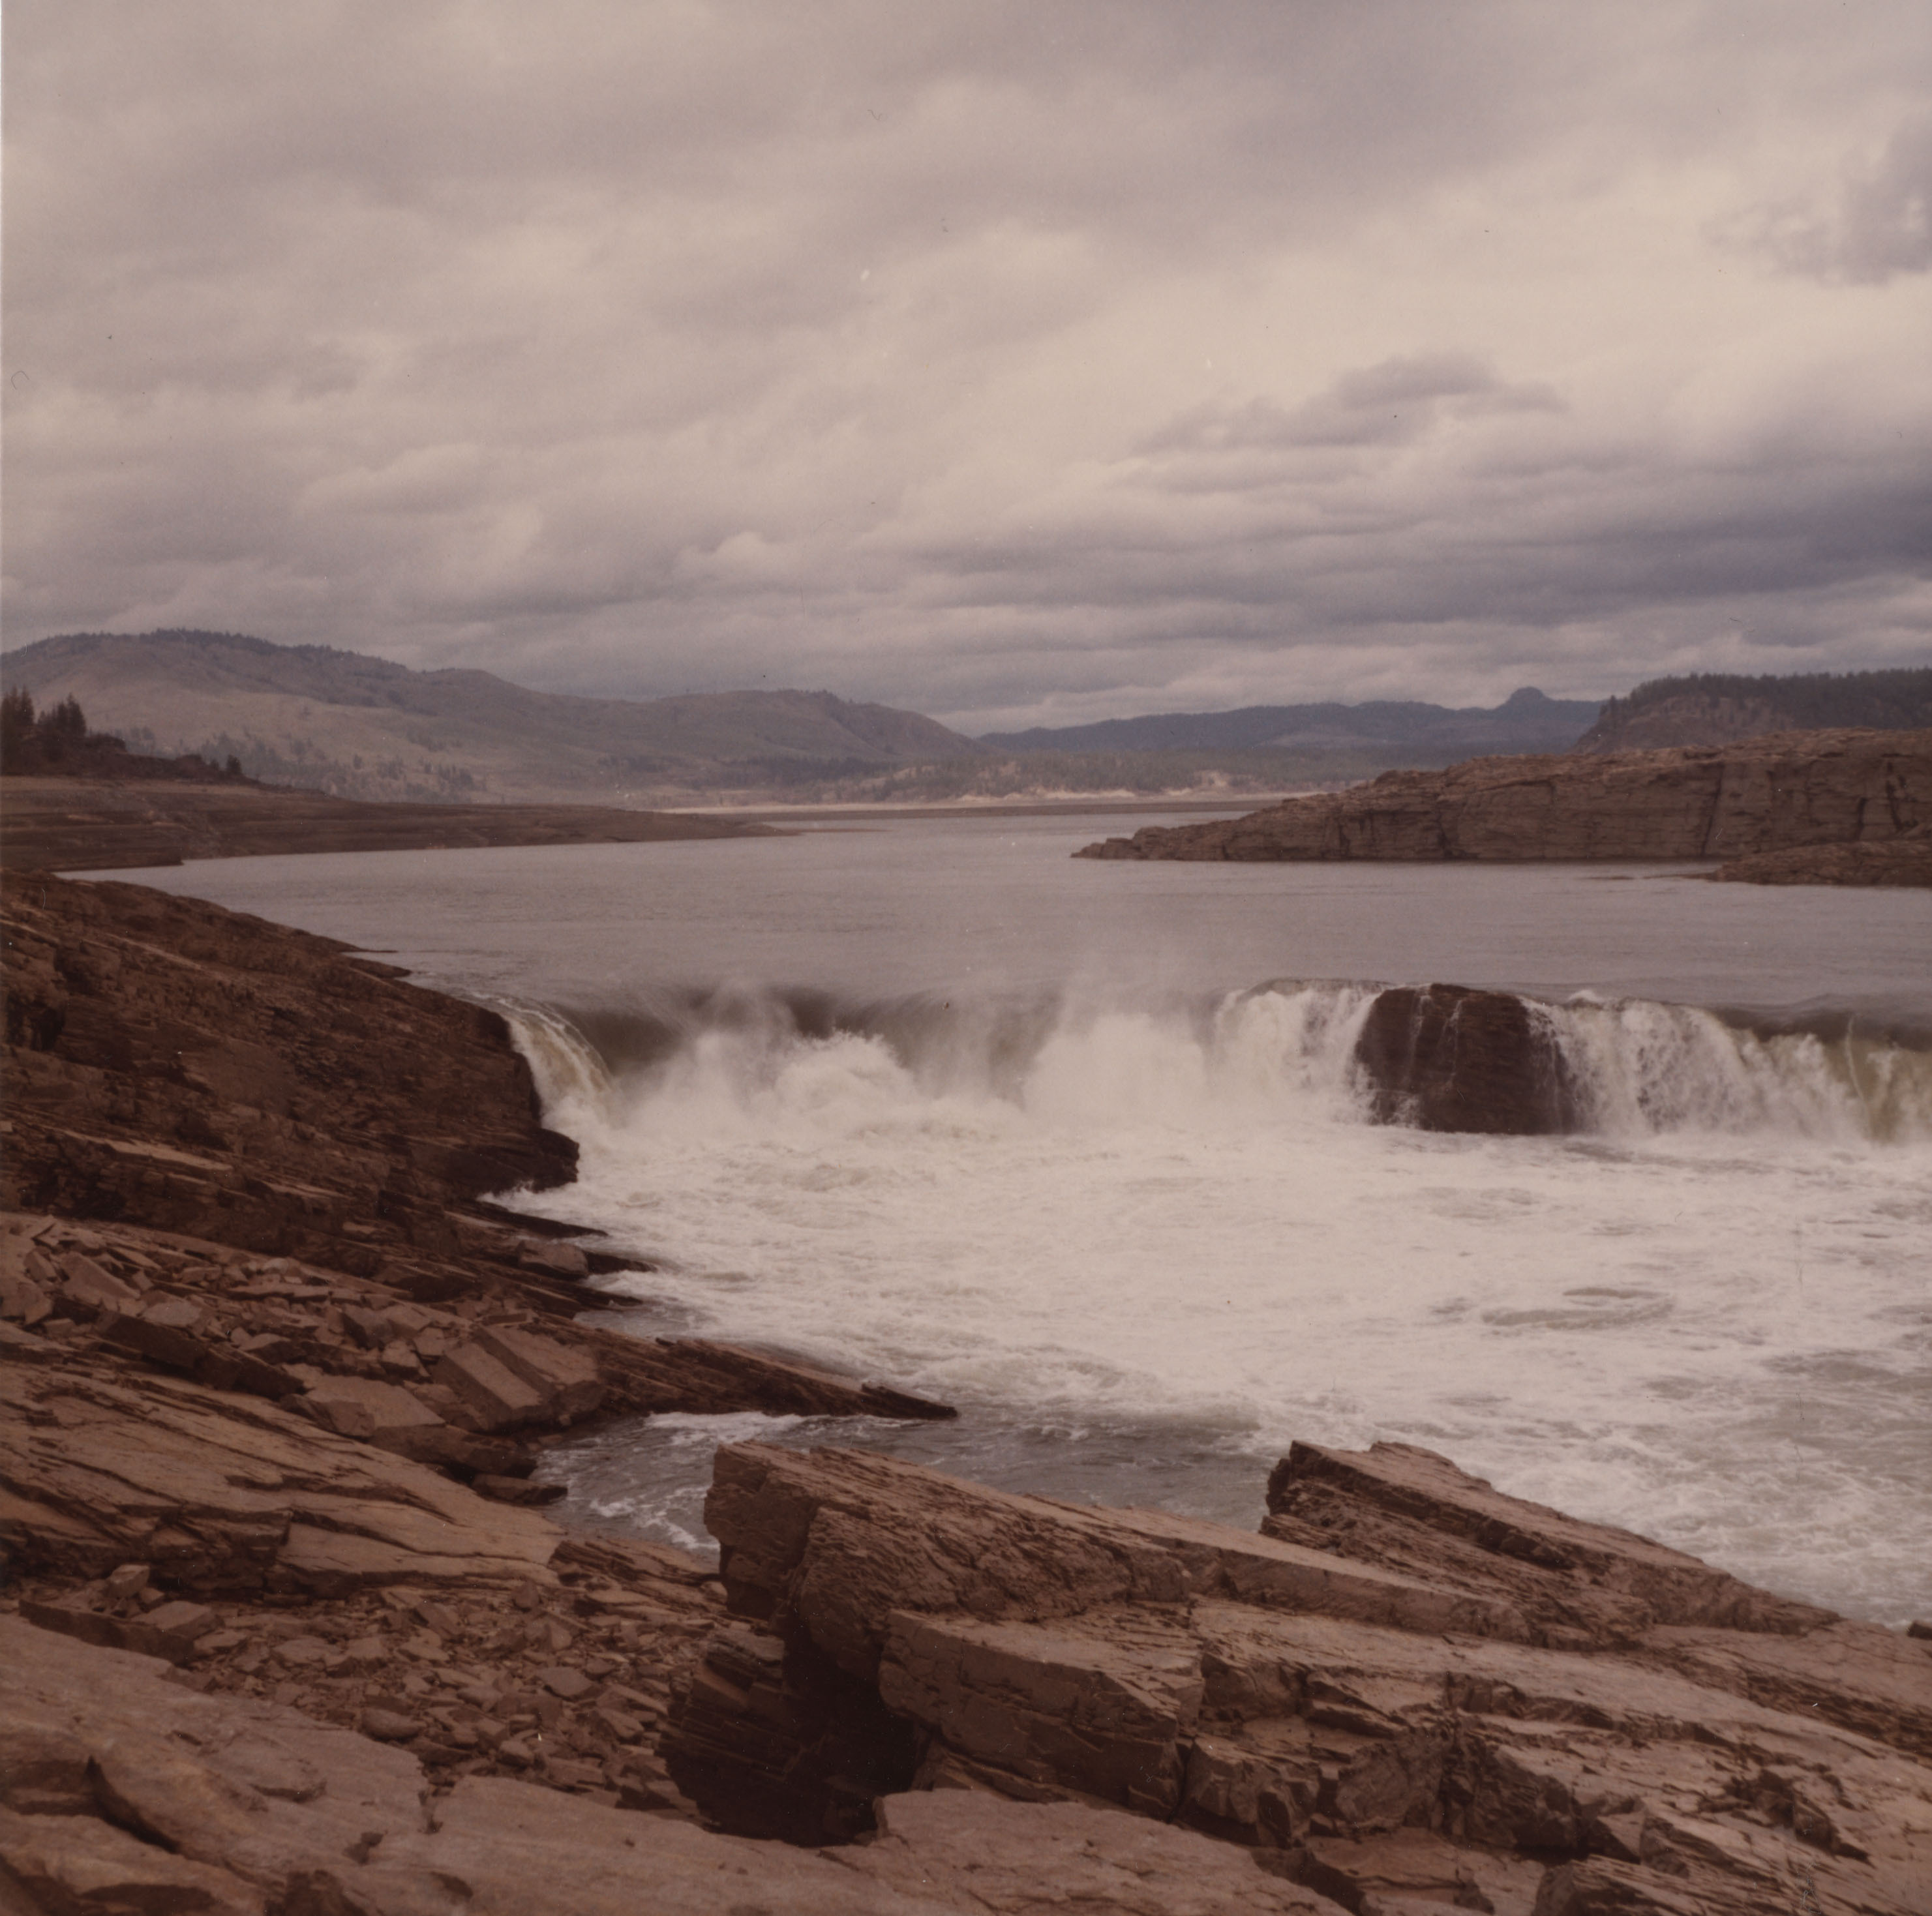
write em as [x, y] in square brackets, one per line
[1018, 364]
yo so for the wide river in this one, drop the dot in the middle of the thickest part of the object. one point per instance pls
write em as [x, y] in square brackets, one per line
[1075, 1146]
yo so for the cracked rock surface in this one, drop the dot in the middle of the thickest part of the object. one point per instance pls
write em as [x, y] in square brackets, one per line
[121, 1791]
[1409, 1692]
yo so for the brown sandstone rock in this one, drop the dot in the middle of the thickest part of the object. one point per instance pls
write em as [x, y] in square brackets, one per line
[517, 1490]
[384, 1414]
[693, 1375]
[118, 1791]
[825, 1543]
[559, 1260]
[1901, 860]
[64, 1863]
[1591, 1716]
[565, 1379]
[1017, 1857]
[1759, 795]
[177, 1065]
[1355, 1501]
[22, 1299]
[1108, 1713]
[493, 1395]
[220, 1492]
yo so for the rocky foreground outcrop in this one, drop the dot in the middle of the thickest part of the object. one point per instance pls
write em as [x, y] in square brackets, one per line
[279, 1152]
[176, 1065]
[1407, 1693]
[120, 1791]
[379, 1694]
[276, 1383]
[320, 1679]
[1762, 794]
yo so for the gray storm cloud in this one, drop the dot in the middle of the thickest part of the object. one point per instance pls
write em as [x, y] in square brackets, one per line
[1019, 365]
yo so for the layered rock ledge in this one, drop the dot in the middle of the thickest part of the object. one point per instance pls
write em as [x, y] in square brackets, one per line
[369, 1691]
[122, 1791]
[1763, 795]
[279, 1153]
[1407, 1693]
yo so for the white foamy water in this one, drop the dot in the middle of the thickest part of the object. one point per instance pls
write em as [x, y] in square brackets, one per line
[1158, 1225]
[1077, 1147]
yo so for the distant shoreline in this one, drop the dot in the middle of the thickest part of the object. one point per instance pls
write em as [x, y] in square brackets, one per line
[49, 823]
[1072, 806]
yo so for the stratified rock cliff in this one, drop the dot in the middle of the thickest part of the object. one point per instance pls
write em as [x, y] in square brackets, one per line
[1762, 795]
[1409, 1692]
[177, 1065]
[200, 1085]
[1718, 708]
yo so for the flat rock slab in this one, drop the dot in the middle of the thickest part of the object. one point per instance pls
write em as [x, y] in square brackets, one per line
[842, 1538]
[565, 1378]
[1057, 1856]
[226, 1493]
[1659, 1584]
[248, 1806]
[696, 1375]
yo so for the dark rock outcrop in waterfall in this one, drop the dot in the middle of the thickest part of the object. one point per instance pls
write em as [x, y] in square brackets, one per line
[1443, 1057]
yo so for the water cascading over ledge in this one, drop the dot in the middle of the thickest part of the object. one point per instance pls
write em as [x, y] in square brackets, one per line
[1440, 1057]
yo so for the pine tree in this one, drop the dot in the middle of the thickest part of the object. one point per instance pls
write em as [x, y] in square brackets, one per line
[17, 719]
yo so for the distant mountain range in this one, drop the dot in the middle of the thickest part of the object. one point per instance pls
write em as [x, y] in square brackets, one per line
[1525, 722]
[360, 727]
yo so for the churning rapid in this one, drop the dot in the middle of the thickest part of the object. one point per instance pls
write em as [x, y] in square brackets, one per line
[1639, 1068]
[1145, 1245]
[934, 1101]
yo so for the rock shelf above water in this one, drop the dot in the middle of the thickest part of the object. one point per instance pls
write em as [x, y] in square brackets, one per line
[1787, 792]
[1409, 1693]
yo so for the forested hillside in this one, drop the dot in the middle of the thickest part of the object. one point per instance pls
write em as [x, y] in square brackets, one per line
[1713, 708]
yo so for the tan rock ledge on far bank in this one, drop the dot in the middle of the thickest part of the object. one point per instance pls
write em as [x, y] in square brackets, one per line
[1762, 794]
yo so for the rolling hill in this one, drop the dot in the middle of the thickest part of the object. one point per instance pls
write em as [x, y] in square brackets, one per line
[359, 727]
